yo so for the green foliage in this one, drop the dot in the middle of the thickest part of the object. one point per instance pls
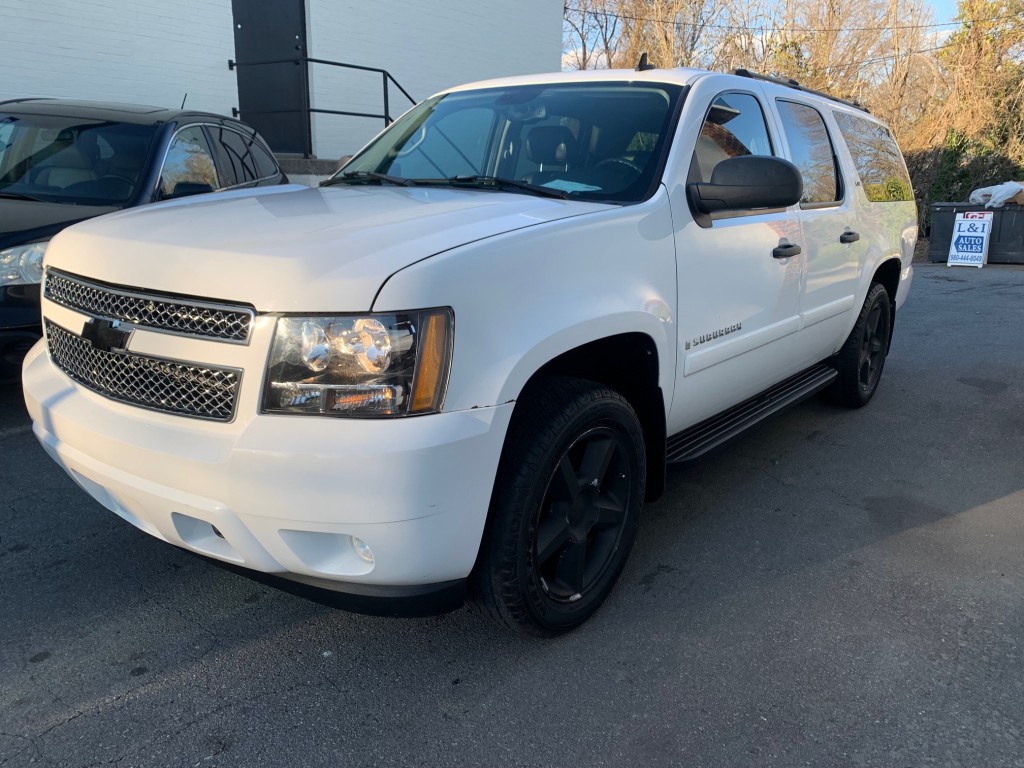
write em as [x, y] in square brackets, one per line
[950, 173]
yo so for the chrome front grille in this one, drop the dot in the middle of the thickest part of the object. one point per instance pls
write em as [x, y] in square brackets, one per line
[186, 317]
[200, 391]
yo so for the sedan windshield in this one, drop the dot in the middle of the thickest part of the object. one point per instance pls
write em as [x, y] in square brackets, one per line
[592, 141]
[71, 160]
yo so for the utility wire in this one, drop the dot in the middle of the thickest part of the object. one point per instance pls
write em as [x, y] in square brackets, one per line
[741, 28]
[880, 59]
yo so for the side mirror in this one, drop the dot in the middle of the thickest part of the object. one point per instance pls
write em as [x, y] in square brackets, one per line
[750, 181]
[187, 189]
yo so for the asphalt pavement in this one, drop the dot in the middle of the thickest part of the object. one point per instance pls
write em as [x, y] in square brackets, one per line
[833, 588]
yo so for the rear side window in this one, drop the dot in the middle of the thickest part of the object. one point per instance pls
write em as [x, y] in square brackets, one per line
[877, 158]
[811, 149]
[265, 164]
[237, 152]
[734, 127]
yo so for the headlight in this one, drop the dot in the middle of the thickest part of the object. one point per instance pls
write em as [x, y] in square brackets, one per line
[22, 264]
[360, 365]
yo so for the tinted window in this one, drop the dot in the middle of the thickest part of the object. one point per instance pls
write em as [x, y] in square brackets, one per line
[811, 149]
[877, 158]
[734, 127]
[189, 161]
[239, 156]
[265, 164]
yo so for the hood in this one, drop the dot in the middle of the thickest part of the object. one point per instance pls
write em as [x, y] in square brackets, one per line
[327, 249]
[25, 221]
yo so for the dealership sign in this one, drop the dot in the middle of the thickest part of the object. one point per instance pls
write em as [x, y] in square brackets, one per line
[969, 246]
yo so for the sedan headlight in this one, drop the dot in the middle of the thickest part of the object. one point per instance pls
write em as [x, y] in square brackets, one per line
[360, 365]
[22, 264]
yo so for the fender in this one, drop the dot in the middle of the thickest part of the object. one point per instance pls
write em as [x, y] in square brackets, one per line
[525, 297]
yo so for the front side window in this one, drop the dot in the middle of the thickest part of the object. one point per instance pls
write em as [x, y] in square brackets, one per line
[734, 127]
[879, 162]
[189, 164]
[592, 141]
[72, 160]
[811, 151]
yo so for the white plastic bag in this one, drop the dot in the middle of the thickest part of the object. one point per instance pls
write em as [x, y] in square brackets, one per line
[997, 196]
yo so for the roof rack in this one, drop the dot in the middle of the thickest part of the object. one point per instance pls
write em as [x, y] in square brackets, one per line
[791, 83]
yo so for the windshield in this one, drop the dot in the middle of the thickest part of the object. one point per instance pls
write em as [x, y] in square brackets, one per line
[71, 160]
[593, 141]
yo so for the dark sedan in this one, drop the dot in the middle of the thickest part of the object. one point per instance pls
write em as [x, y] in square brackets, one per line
[64, 161]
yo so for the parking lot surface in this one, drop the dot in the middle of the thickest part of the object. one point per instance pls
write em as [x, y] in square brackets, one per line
[833, 588]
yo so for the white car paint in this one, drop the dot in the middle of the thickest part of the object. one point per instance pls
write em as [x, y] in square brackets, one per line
[528, 279]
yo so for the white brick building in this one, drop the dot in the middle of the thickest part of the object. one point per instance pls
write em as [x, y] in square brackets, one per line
[154, 52]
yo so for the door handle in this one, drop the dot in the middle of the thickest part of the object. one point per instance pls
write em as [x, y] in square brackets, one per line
[849, 237]
[785, 251]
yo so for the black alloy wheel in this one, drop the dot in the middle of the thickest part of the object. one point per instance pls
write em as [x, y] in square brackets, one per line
[873, 348]
[580, 523]
[861, 360]
[565, 507]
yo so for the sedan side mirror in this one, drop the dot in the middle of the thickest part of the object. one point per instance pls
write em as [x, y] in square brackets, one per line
[742, 183]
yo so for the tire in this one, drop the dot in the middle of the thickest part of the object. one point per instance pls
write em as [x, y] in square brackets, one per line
[565, 507]
[861, 360]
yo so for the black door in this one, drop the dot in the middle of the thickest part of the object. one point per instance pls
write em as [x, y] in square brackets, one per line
[273, 98]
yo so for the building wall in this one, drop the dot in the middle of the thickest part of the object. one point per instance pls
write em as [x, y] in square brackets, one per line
[427, 46]
[143, 52]
[154, 51]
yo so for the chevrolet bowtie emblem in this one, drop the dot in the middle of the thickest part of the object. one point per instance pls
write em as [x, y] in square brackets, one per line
[106, 335]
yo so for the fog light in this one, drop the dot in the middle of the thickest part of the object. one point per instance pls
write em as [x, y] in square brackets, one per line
[362, 549]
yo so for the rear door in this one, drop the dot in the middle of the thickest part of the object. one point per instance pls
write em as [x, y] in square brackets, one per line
[834, 247]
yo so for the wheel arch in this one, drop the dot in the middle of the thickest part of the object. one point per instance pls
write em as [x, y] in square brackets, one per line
[888, 275]
[629, 363]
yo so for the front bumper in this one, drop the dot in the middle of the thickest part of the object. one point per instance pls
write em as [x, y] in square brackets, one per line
[283, 494]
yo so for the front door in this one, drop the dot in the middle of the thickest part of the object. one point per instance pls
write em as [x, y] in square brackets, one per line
[739, 293]
[273, 97]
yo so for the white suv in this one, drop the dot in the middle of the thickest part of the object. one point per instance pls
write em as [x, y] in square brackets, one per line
[467, 357]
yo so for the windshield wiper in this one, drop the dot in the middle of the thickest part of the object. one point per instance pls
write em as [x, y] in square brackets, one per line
[20, 196]
[497, 182]
[350, 176]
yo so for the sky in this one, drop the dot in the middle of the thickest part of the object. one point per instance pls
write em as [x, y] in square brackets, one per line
[943, 10]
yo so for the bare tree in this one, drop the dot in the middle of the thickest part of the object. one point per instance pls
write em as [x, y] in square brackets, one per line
[674, 33]
[954, 99]
[590, 33]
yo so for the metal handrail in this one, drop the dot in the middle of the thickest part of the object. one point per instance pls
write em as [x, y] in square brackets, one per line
[308, 110]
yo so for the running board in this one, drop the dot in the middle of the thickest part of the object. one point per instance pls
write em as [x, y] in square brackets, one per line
[710, 433]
